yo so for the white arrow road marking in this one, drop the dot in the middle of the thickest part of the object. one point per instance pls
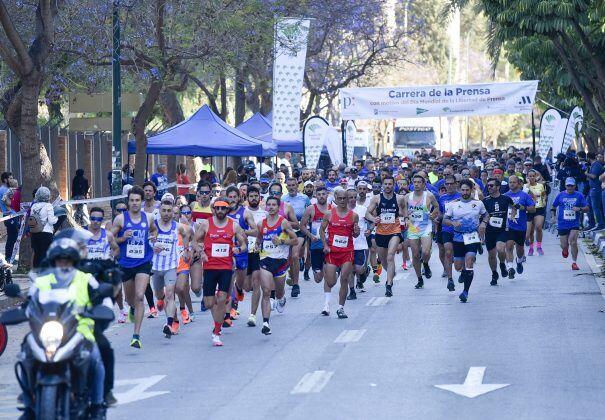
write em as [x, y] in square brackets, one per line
[312, 382]
[349, 336]
[378, 301]
[139, 391]
[473, 385]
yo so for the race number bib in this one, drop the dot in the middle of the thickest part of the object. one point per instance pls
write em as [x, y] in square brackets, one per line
[416, 217]
[569, 215]
[269, 246]
[340, 241]
[470, 238]
[163, 242]
[315, 228]
[220, 250]
[136, 251]
[387, 218]
[496, 222]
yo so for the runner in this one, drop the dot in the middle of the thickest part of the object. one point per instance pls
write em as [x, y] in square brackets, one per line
[571, 205]
[213, 241]
[310, 225]
[517, 224]
[275, 236]
[384, 211]
[535, 221]
[135, 232]
[165, 262]
[253, 279]
[200, 210]
[420, 230]
[342, 225]
[360, 246]
[246, 221]
[465, 216]
[299, 202]
[445, 233]
[183, 268]
[497, 206]
[151, 206]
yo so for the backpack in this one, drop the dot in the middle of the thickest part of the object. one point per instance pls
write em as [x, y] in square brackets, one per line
[34, 222]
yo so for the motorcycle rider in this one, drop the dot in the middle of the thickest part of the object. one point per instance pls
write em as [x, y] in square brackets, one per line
[63, 255]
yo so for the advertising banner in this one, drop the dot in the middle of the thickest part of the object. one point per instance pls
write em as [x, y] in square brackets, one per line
[288, 70]
[350, 132]
[438, 100]
[548, 128]
[313, 139]
[573, 128]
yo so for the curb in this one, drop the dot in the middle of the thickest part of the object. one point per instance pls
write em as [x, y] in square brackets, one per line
[594, 266]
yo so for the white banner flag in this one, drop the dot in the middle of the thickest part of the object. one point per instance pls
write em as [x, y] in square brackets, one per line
[548, 128]
[557, 143]
[288, 70]
[333, 142]
[350, 132]
[438, 100]
[313, 139]
[574, 126]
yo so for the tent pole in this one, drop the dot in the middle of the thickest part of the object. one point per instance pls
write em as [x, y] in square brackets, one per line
[344, 142]
[146, 166]
[533, 134]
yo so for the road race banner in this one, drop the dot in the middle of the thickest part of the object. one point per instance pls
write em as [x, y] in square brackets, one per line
[350, 131]
[438, 100]
[313, 139]
[333, 142]
[288, 70]
[573, 128]
[548, 128]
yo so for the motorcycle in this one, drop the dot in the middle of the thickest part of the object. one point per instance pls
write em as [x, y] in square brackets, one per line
[53, 365]
[5, 279]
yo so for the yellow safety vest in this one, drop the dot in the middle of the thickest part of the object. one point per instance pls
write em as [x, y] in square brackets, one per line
[78, 293]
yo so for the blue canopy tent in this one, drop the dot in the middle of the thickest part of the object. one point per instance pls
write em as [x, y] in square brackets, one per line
[205, 134]
[295, 146]
[259, 127]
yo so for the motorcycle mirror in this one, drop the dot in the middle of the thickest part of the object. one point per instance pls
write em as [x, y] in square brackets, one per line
[12, 290]
[105, 290]
[100, 313]
[13, 317]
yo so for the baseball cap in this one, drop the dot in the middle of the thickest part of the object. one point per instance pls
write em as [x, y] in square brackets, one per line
[168, 196]
[362, 184]
[528, 162]
[308, 183]
[264, 180]
[405, 165]
[570, 181]
[344, 180]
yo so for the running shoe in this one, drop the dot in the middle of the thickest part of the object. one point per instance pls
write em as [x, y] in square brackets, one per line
[110, 399]
[461, 278]
[530, 253]
[574, 266]
[136, 343]
[122, 317]
[167, 330]
[404, 265]
[511, 273]
[503, 270]
[273, 304]
[326, 311]
[202, 306]
[565, 252]
[176, 325]
[131, 315]
[281, 304]
[359, 286]
[376, 277]
[420, 283]
[216, 341]
[523, 259]
[191, 317]
[519, 267]
[227, 322]
[295, 291]
[233, 314]
[352, 295]
[341, 313]
[463, 297]
[444, 275]
[494, 281]
[427, 271]
[153, 313]
[239, 294]
[389, 290]
[185, 316]
[159, 304]
[540, 251]
[450, 285]
[266, 329]
[306, 276]
[252, 320]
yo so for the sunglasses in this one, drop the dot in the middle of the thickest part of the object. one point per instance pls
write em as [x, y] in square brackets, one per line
[222, 208]
[491, 185]
[121, 209]
[275, 193]
[186, 212]
[96, 219]
[203, 192]
[216, 191]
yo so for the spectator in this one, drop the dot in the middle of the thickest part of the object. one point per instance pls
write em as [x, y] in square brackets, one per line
[79, 185]
[43, 211]
[569, 169]
[5, 179]
[16, 200]
[230, 178]
[595, 216]
[543, 169]
[160, 180]
[207, 164]
[12, 225]
[183, 179]
[286, 160]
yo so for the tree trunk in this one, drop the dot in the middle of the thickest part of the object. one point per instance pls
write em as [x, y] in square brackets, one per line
[139, 124]
[223, 85]
[173, 114]
[240, 97]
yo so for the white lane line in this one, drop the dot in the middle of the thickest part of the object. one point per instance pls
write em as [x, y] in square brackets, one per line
[378, 301]
[312, 382]
[349, 336]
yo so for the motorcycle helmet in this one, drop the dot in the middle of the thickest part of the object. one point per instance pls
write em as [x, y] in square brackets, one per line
[80, 236]
[63, 248]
